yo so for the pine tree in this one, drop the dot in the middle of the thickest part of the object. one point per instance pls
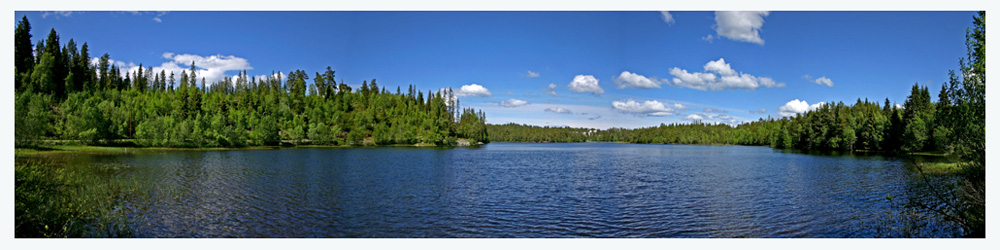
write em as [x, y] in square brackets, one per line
[24, 60]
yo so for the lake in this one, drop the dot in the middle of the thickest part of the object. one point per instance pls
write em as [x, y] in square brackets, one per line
[521, 190]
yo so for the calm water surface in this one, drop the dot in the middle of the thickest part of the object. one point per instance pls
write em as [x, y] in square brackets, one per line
[516, 190]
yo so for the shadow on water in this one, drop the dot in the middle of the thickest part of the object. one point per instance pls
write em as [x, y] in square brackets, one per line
[906, 215]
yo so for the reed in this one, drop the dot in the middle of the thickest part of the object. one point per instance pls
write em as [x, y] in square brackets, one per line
[56, 200]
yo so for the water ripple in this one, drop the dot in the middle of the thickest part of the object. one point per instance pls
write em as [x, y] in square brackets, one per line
[514, 190]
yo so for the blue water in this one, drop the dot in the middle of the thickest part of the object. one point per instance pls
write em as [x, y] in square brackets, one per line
[519, 190]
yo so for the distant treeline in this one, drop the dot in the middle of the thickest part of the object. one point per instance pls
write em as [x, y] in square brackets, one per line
[920, 125]
[60, 95]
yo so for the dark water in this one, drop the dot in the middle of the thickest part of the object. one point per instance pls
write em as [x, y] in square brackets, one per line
[519, 190]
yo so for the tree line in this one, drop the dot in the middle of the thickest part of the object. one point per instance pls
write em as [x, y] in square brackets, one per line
[60, 95]
[919, 125]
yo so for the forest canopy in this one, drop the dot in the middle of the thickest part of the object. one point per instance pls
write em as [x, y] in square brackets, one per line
[60, 95]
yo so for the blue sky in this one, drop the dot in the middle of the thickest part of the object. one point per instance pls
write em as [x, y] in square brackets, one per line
[540, 68]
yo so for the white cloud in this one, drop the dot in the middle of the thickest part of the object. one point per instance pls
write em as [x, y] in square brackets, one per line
[57, 14]
[713, 110]
[899, 106]
[632, 80]
[797, 107]
[694, 117]
[720, 67]
[741, 26]
[717, 118]
[212, 68]
[824, 81]
[649, 107]
[120, 64]
[513, 103]
[158, 15]
[473, 90]
[719, 75]
[533, 74]
[552, 90]
[821, 81]
[585, 83]
[667, 18]
[275, 75]
[816, 106]
[709, 38]
[558, 110]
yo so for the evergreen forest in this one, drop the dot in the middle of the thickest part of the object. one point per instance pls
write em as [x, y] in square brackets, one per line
[61, 96]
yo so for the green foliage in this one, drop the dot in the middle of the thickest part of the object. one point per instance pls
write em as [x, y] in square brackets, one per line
[31, 118]
[61, 96]
[55, 201]
[24, 59]
[525, 133]
[915, 135]
[473, 127]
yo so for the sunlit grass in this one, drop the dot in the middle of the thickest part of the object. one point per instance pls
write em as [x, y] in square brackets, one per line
[939, 167]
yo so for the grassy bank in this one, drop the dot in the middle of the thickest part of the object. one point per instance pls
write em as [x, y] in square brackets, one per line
[107, 150]
[55, 200]
[113, 150]
[939, 167]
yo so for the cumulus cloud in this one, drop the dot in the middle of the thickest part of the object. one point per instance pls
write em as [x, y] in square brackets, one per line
[585, 83]
[797, 107]
[648, 108]
[706, 117]
[821, 81]
[212, 68]
[694, 117]
[719, 75]
[532, 74]
[552, 90]
[513, 103]
[274, 75]
[743, 26]
[120, 64]
[473, 90]
[667, 18]
[558, 110]
[632, 80]
[824, 81]
[720, 67]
